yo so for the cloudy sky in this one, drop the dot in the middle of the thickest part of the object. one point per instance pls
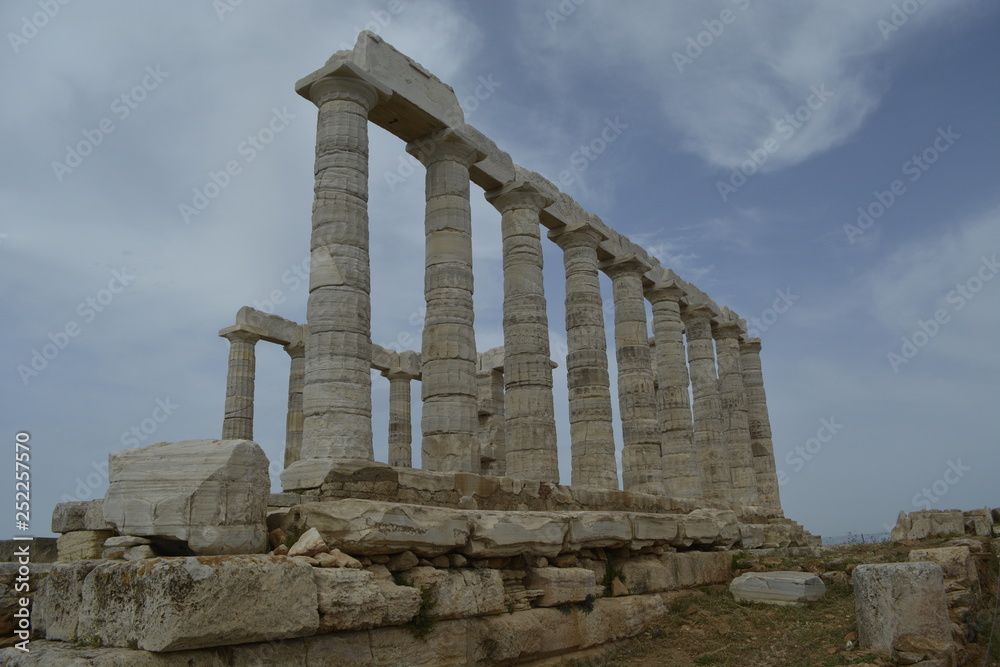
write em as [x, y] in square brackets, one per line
[826, 168]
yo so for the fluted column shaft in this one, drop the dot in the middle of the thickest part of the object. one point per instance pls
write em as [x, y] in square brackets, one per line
[336, 397]
[681, 470]
[590, 418]
[238, 421]
[400, 429]
[293, 422]
[450, 418]
[760, 425]
[641, 453]
[736, 427]
[707, 408]
[528, 409]
[492, 438]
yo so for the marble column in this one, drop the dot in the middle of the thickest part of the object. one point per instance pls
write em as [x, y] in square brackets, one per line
[709, 441]
[641, 454]
[492, 442]
[450, 418]
[681, 469]
[528, 410]
[760, 424]
[400, 429]
[590, 419]
[238, 421]
[293, 423]
[736, 426]
[336, 396]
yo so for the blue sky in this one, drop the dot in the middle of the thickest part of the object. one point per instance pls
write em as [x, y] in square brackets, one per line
[746, 138]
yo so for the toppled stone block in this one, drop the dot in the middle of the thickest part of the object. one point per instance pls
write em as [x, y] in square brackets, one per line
[561, 584]
[979, 522]
[367, 527]
[507, 534]
[780, 588]
[169, 604]
[209, 494]
[956, 563]
[352, 599]
[82, 544]
[309, 544]
[896, 599]
[461, 593]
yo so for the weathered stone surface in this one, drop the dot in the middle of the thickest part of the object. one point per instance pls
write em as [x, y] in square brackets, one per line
[354, 599]
[125, 541]
[337, 558]
[57, 603]
[561, 584]
[897, 599]
[210, 494]
[956, 563]
[650, 529]
[43, 550]
[139, 552]
[460, 593]
[928, 523]
[588, 530]
[363, 527]
[401, 562]
[169, 604]
[82, 544]
[516, 533]
[778, 587]
[979, 522]
[86, 515]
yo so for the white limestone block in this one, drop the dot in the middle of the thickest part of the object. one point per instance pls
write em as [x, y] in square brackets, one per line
[516, 533]
[780, 588]
[461, 593]
[351, 599]
[561, 584]
[210, 494]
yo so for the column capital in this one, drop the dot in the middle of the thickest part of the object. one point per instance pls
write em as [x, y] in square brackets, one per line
[518, 194]
[667, 290]
[399, 374]
[696, 310]
[243, 332]
[296, 349]
[444, 144]
[726, 329]
[749, 345]
[341, 80]
[576, 235]
[630, 264]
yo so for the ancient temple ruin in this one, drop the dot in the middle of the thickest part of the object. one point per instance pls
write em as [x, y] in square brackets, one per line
[491, 413]
[481, 556]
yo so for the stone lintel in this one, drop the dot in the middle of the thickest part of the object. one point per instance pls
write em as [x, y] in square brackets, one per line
[444, 144]
[275, 329]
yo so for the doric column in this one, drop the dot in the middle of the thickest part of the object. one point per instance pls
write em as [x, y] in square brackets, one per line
[400, 430]
[592, 434]
[760, 424]
[736, 427]
[681, 470]
[336, 397]
[528, 411]
[641, 454]
[709, 441]
[449, 420]
[293, 423]
[238, 421]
